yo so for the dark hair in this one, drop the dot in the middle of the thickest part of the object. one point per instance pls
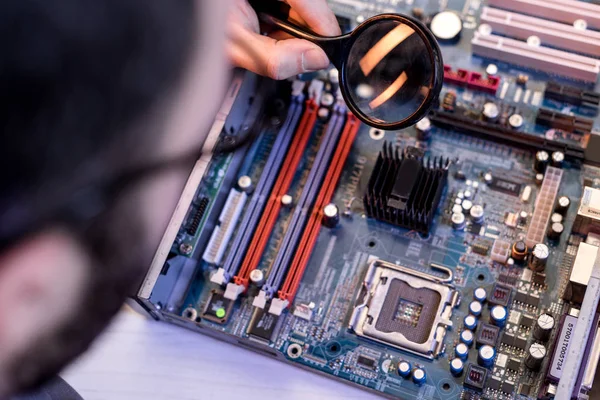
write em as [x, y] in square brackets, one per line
[76, 78]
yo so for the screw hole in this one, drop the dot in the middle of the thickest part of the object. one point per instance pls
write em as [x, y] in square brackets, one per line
[481, 277]
[294, 350]
[334, 348]
[372, 243]
[446, 387]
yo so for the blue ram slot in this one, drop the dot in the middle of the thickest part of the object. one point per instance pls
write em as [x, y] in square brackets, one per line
[263, 190]
[305, 204]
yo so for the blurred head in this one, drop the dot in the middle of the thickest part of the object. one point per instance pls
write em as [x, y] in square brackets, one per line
[103, 108]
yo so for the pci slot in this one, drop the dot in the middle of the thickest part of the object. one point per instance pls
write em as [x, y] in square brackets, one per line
[568, 123]
[567, 11]
[550, 33]
[503, 134]
[538, 58]
[263, 189]
[263, 231]
[309, 238]
[572, 95]
[223, 231]
[544, 205]
[302, 209]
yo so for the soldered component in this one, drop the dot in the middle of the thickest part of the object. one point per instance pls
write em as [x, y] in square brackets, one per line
[419, 376]
[487, 335]
[466, 336]
[544, 206]
[423, 128]
[515, 121]
[491, 70]
[480, 294]
[556, 218]
[459, 221]
[218, 308]
[543, 327]
[404, 308]
[404, 369]
[581, 272]
[457, 366]
[470, 322]
[523, 217]
[486, 356]
[245, 183]
[588, 215]
[477, 213]
[287, 200]
[526, 195]
[519, 251]
[558, 158]
[257, 277]
[446, 26]
[475, 308]
[467, 205]
[535, 356]
[500, 251]
[490, 112]
[522, 79]
[542, 160]
[556, 230]
[475, 377]
[562, 205]
[331, 216]
[449, 101]
[539, 257]
[498, 315]
[461, 351]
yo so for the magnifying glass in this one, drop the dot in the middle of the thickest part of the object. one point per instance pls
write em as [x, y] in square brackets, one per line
[391, 67]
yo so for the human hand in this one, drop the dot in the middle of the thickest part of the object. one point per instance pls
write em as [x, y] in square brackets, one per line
[278, 56]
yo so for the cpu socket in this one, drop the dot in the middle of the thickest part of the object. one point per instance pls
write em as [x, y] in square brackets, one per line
[404, 308]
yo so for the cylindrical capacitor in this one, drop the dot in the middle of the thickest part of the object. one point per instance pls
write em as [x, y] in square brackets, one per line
[563, 204]
[558, 158]
[556, 217]
[467, 337]
[498, 315]
[245, 183]
[488, 178]
[457, 366]
[449, 101]
[523, 217]
[461, 351]
[459, 221]
[539, 257]
[486, 356]
[331, 215]
[257, 277]
[490, 112]
[467, 205]
[543, 327]
[542, 159]
[539, 178]
[457, 209]
[556, 230]
[480, 294]
[477, 213]
[519, 251]
[535, 356]
[419, 376]
[286, 200]
[327, 99]
[423, 128]
[470, 322]
[404, 369]
[475, 308]
[468, 194]
[515, 121]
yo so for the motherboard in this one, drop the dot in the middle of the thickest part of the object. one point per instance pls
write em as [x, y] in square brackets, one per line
[456, 259]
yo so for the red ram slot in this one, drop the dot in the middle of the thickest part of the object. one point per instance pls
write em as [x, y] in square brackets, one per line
[488, 85]
[309, 237]
[281, 187]
[459, 77]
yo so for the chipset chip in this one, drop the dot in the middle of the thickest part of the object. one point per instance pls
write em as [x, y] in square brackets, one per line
[218, 308]
[262, 325]
[505, 186]
[366, 362]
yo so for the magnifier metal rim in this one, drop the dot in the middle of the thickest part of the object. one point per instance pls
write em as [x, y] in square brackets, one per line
[438, 75]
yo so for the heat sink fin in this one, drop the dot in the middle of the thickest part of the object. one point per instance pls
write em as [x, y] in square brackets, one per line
[405, 187]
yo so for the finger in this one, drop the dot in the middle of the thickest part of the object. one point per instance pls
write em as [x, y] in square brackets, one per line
[280, 35]
[318, 15]
[275, 59]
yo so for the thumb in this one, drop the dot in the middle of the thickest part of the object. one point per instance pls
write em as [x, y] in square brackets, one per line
[277, 59]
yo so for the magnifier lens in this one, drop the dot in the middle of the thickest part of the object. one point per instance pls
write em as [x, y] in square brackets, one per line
[390, 71]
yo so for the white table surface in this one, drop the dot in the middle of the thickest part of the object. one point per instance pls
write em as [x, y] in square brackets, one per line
[140, 359]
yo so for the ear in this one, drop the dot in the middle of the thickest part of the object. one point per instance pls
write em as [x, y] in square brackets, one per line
[41, 281]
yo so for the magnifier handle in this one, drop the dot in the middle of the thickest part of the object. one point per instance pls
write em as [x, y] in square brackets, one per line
[276, 14]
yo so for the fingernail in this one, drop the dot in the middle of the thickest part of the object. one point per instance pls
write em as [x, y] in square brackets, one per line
[314, 60]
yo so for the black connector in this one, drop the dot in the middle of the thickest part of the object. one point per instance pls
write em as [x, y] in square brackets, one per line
[568, 123]
[503, 135]
[572, 95]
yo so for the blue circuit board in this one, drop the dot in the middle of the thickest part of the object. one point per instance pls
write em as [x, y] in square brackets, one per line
[316, 330]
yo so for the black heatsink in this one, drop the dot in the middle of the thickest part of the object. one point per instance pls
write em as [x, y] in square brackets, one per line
[405, 189]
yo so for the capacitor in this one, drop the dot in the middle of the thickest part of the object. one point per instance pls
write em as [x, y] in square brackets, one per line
[558, 158]
[418, 13]
[539, 257]
[475, 308]
[486, 356]
[334, 76]
[488, 178]
[457, 208]
[461, 351]
[539, 179]
[491, 70]
[535, 356]
[286, 200]
[449, 101]
[467, 337]
[467, 205]
[526, 195]
[419, 376]
[257, 277]
[331, 215]
[245, 183]
[457, 366]
[423, 128]
[542, 158]
[515, 121]
[477, 214]
[523, 217]
[543, 327]
[522, 79]
[556, 230]
[323, 113]
[458, 221]
[446, 26]
[519, 251]
[556, 217]
[468, 194]
[563, 204]
[404, 369]
[480, 294]
[490, 111]
[327, 99]
[498, 315]
[470, 322]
